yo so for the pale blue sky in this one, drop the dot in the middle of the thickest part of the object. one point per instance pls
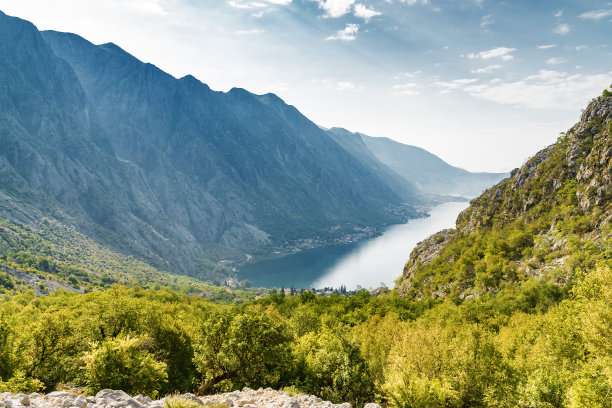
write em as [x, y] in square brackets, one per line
[482, 83]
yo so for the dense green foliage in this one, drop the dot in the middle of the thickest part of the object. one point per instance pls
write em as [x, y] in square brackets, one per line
[49, 255]
[534, 345]
[550, 219]
[123, 363]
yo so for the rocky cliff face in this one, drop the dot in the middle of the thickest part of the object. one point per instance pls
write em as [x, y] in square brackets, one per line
[550, 220]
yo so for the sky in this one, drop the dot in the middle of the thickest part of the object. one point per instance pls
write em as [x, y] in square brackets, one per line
[483, 84]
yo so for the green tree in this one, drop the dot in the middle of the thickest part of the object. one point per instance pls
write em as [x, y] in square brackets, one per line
[333, 368]
[124, 363]
[248, 349]
[50, 349]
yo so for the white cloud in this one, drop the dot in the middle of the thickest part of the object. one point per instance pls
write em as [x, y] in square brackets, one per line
[486, 20]
[246, 4]
[403, 75]
[249, 32]
[455, 84]
[544, 90]
[596, 14]
[500, 52]
[249, 4]
[561, 29]
[581, 47]
[335, 8]
[407, 89]
[486, 70]
[345, 86]
[555, 61]
[546, 47]
[558, 13]
[349, 33]
[413, 2]
[362, 11]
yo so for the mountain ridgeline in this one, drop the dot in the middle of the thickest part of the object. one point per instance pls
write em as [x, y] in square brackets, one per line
[168, 170]
[551, 221]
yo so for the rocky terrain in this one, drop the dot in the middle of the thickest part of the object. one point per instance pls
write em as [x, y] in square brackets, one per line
[550, 219]
[247, 398]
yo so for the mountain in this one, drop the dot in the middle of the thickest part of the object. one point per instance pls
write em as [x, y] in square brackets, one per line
[428, 172]
[354, 144]
[166, 169]
[550, 221]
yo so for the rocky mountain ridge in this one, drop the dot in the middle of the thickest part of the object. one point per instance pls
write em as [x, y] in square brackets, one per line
[550, 220]
[165, 169]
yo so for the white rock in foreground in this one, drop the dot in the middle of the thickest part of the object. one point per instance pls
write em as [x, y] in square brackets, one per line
[247, 398]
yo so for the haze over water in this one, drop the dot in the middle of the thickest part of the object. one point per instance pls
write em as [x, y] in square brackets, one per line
[366, 264]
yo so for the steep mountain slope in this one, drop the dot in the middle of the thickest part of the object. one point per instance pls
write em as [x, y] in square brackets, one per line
[163, 168]
[427, 171]
[353, 143]
[551, 220]
[241, 146]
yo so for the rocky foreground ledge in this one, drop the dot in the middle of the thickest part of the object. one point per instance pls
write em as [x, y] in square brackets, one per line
[247, 398]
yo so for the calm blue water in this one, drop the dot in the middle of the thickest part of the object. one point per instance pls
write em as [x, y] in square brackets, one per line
[367, 263]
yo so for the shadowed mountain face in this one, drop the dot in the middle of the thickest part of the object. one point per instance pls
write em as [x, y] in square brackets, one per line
[160, 167]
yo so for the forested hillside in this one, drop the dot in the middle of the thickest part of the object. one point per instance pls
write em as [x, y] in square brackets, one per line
[550, 220]
[499, 338]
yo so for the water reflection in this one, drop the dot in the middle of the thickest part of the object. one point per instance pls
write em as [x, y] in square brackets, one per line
[366, 264]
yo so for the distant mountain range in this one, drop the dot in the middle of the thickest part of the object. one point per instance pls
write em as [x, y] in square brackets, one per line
[416, 167]
[168, 171]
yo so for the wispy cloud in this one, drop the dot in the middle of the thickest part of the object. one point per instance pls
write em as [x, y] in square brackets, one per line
[260, 4]
[413, 2]
[555, 61]
[448, 86]
[362, 11]
[412, 74]
[562, 29]
[486, 20]
[486, 70]
[346, 86]
[596, 14]
[407, 89]
[249, 32]
[349, 33]
[544, 90]
[500, 52]
[558, 13]
[546, 47]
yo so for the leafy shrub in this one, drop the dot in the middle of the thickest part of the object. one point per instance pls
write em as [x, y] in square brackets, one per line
[123, 363]
[180, 402]
[20, 382]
